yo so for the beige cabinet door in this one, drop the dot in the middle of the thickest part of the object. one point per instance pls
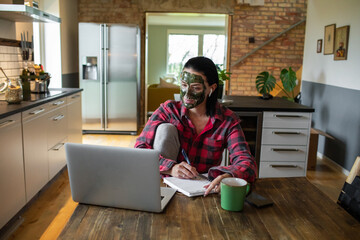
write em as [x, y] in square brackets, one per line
[35, 149]
[74, 118]
[12, 185]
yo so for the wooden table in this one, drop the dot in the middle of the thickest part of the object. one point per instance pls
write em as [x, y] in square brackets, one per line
[300, 211]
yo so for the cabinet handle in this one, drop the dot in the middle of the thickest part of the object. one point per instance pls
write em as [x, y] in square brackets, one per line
[6, 123]
[76, 96]
[58, 103]
[285, 150]
[290, 133]
[287, 116]
[58, 117]
[37, 111]
[58, 146]
[283, 166]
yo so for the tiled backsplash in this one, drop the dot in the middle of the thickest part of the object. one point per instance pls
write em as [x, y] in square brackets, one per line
[11, 61]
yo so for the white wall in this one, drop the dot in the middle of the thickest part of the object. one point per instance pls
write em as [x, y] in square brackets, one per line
[321, 68]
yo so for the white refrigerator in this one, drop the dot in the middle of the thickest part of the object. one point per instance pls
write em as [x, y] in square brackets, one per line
[109, 71]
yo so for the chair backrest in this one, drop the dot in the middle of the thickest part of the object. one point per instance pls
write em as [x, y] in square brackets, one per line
[349, 197]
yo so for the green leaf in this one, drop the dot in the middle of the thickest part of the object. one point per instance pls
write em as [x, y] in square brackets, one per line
[288, 79]
[265, 82]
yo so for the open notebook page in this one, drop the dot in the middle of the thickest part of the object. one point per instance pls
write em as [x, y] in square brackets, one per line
[189, 187]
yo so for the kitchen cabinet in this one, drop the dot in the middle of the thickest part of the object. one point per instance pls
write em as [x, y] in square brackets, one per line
[12, 184]
[74, 118]
[284, 144]
[34, 123]
[32, 138]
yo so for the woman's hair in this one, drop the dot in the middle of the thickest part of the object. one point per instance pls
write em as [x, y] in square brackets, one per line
[207, 67]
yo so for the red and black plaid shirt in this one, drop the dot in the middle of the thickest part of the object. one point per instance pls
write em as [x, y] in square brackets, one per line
[204, 150]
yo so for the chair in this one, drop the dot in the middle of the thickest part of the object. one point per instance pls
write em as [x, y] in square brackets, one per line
[349, 197]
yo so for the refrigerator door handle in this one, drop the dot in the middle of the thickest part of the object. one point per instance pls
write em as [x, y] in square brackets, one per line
[106, 71]
[101, 71]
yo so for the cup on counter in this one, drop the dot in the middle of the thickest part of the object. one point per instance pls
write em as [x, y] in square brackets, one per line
[233, 193]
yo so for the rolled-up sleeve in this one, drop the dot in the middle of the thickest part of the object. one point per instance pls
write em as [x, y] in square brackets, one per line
[242, 163]
[146, 138]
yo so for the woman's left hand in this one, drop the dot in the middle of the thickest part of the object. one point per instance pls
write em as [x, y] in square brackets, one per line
[215, 184]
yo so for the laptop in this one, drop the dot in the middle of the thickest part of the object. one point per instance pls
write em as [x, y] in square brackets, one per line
[117, 177]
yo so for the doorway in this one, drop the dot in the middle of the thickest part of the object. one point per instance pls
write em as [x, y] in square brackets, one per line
[173, 38]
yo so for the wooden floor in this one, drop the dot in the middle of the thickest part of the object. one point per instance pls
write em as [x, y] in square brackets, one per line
[49, 213]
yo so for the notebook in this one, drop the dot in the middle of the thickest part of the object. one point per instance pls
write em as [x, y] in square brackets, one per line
[116, 177]
[188, 187]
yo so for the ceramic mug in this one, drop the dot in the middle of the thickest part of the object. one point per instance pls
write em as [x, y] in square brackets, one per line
[233, 193]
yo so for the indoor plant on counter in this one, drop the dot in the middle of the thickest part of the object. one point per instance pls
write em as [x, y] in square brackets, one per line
[223, 76]
[265, 83]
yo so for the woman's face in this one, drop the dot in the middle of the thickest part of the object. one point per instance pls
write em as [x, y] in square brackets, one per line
[194, 88]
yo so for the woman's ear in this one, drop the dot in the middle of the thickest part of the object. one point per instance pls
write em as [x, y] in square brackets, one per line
[213, 86]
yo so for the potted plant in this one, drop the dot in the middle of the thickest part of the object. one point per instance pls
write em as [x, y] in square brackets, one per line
[265, 83]
[223, 76]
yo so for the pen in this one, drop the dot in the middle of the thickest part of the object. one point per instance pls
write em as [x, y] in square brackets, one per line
[185, 156]
[188, 161]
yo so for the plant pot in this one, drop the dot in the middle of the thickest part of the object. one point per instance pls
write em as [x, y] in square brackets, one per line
[266, 96]
[220, 91]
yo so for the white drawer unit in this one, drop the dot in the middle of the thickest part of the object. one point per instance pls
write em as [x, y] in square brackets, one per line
[284, 144]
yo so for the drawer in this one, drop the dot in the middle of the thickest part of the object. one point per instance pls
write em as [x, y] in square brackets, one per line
[35, 112]
[57, 103]
[285, 136]
[286, 120]
[57, 158]
[57, 126]
[283, 153]
[73, 98]
[282, 169]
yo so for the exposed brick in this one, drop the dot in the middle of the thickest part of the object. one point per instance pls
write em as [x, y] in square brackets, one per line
[262, 22]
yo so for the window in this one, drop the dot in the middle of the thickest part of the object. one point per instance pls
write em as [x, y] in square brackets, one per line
[185, 44]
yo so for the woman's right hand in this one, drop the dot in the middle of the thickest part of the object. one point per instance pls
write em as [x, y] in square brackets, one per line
[183, 170]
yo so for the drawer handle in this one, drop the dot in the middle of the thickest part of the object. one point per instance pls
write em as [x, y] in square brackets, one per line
[285, 150]
[58, 146]
[287, 116]
[58, 117]
[6, 123]
[58, 103]
[37, 111]
[76, 96]
[289, 133]
[283, 166]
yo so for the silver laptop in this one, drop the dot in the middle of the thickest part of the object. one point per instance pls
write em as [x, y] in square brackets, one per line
[116, 177]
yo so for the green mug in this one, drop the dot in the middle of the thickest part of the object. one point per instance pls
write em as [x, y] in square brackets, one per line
[233, 193]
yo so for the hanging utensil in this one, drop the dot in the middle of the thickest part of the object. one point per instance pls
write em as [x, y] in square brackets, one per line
[4, 85]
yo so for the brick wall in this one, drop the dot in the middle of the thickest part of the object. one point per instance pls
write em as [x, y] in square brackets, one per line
[263, 23]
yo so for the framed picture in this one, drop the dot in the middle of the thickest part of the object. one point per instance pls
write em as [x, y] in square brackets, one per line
[329, 37]
[319, 46]
[341, 43]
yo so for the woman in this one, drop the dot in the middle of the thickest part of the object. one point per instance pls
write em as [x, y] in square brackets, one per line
[200, 128]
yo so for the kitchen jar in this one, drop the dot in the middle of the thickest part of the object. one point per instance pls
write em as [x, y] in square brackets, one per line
[14, 91]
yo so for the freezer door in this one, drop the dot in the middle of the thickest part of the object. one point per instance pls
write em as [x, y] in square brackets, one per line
[121, 78]
[91, 78]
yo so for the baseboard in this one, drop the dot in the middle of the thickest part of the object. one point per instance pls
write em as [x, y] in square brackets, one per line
[335, 164]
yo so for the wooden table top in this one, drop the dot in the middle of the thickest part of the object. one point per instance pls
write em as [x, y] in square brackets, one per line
[300, 211]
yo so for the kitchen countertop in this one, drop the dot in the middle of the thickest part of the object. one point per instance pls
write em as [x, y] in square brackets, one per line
[35, 99]
[256, 104]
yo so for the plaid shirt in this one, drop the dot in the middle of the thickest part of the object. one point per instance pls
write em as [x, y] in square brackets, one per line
[204, 150]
